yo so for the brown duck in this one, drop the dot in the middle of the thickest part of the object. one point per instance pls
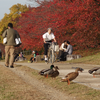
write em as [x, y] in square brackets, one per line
[54, 73]
[71, 76]
[95, 71]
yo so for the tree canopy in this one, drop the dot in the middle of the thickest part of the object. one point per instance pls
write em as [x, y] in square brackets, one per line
[12, 17]
[75, 20]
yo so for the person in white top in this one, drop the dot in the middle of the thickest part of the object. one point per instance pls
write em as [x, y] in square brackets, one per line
[62, 48]
[48, 37]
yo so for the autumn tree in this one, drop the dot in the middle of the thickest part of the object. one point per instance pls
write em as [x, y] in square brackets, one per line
[73, 20]
[13, 16]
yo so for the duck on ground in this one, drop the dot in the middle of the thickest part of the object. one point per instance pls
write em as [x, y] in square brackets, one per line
[54, 73]
[78, 67]
[95, 71]
[45, 72]
[71, 76]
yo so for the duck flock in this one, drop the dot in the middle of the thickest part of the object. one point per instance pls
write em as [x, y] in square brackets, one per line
[53, 72]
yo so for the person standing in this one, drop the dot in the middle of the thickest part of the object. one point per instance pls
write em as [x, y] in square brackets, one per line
[48, 37]
[11, 35]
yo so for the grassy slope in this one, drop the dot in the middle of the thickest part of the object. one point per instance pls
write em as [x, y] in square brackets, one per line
[89, 59]
[80, 92]
[92, 59]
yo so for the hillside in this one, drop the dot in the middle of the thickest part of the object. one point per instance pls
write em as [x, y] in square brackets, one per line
[91, 59]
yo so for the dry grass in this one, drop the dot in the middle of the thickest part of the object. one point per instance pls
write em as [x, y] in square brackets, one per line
[92, 59]
[78, 91]
[12, 87]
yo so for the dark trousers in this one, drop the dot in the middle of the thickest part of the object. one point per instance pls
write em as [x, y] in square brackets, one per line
[60, 53]
[32, 59]
[16, 56]
[46, 47]
[63, 56]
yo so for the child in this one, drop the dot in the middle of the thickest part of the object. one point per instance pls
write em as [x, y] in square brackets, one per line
[33, 58]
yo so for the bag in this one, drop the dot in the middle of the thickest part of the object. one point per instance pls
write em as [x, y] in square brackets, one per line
[5, 40]
[18, 42]
[57, 48]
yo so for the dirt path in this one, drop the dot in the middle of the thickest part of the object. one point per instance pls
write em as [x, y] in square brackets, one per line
[28, 87]
[84, 78]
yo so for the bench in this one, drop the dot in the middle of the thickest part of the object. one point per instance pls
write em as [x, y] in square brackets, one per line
[71, 57]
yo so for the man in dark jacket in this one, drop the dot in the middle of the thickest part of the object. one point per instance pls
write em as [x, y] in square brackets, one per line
[11, 34]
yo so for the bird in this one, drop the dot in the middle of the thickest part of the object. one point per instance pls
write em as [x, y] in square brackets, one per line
[54, 73]
[94, 71]
[71, 76]
[78, 67]
[45, 72]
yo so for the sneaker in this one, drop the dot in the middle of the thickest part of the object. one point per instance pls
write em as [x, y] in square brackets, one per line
[11, 66]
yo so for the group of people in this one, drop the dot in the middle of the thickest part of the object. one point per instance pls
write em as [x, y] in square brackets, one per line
[65, 48]
[48, 37]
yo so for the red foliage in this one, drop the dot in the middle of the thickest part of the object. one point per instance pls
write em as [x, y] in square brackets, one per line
[75, 20]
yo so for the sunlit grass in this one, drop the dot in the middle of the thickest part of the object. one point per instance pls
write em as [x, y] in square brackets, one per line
[81, 92]
[92, 59]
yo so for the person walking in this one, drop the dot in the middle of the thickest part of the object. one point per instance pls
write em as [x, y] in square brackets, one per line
[48, 37]
[11, 35]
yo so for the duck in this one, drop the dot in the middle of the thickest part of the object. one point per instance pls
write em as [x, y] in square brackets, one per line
[94, 71]
[78, 67]
[45, 72]
[71, 76]
[54, 73]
